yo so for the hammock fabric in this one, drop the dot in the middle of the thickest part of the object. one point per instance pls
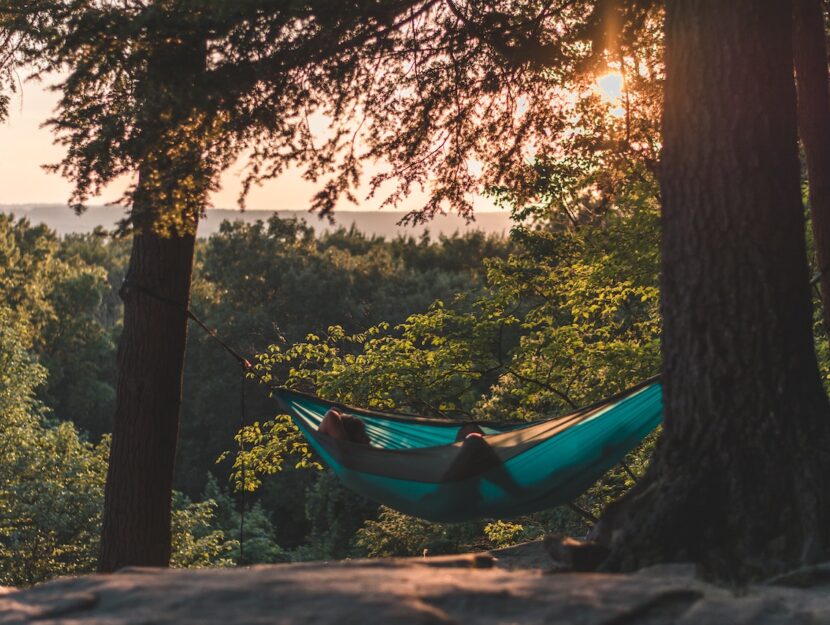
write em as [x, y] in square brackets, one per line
[415, 466]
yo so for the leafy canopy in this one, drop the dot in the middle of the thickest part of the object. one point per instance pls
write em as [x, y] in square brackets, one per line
[453, 95]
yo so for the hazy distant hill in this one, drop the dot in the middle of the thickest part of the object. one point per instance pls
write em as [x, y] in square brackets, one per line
[382, 223]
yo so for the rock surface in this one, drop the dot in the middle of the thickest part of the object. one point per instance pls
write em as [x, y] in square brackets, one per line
[509, 586]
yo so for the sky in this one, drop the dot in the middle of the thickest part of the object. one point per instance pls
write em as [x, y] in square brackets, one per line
[27, 146]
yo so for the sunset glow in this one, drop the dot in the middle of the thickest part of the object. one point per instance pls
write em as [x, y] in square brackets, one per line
[610, 87]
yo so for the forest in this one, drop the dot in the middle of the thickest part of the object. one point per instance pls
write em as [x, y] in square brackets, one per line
[664, 168]
[310, 304]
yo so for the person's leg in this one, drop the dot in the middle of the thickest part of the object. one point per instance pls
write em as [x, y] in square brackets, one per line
[477, 458]
[466, 430]
[474, 458]
[333, 425]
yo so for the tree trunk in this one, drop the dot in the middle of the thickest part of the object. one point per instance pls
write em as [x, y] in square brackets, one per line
[171, 193]
[810, 55]
[737, 482]
[150, 362]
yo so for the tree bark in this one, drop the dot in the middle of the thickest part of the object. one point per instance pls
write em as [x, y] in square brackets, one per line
[810, 56]
[137, 512]
[737, 483]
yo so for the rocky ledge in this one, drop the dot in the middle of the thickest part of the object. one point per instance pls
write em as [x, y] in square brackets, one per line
[508, 586]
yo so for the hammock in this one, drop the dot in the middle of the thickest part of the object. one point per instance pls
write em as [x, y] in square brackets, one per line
[415, 466]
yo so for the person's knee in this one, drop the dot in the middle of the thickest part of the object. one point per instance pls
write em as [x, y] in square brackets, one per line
[332, 424]
[467, 430]
[344, 427]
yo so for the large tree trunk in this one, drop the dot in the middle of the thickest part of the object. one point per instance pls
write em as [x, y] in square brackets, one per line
[150, 362]
[738, 481]
[171, 194]
[810, 55]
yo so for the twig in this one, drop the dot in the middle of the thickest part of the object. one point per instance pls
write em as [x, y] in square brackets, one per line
[628, 470]
[582, 512]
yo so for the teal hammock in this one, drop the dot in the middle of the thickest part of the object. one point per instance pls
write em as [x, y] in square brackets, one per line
[415, 466]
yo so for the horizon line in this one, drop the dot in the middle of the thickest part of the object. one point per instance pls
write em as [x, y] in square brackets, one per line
[247, 209]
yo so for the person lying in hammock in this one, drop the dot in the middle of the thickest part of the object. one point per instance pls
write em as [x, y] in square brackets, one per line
[474, 457]
[345, 427]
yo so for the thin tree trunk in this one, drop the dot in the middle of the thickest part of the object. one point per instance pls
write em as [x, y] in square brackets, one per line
[738, 482]
[810, 56]
[136, 527]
